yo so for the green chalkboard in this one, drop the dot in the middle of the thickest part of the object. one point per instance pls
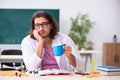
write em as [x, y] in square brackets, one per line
[15, 23]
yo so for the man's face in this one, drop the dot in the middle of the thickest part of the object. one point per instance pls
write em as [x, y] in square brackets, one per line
[43, 26]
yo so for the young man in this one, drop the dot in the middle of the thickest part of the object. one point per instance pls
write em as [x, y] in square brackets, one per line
[37, 46]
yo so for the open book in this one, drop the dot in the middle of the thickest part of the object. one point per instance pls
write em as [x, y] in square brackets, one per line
[54, 72]
[109, 68]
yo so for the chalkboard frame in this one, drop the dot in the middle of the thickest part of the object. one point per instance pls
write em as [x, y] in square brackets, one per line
[15, 23]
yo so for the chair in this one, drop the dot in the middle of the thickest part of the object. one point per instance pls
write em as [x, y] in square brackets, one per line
[10, 52]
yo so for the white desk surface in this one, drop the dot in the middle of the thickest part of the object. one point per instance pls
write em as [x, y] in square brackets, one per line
[9, 58]
[59, 77]
[89, 51]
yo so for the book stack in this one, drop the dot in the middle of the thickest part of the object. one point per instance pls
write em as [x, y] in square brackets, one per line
[109, 70]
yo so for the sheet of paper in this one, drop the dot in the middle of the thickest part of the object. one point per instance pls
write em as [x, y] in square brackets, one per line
[54, 71]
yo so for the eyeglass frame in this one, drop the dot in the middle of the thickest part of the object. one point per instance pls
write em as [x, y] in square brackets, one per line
[43, 24]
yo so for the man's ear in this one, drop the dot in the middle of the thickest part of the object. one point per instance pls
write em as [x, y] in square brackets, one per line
[51, 27]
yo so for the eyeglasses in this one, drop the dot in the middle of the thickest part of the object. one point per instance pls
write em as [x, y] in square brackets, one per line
[43, 25]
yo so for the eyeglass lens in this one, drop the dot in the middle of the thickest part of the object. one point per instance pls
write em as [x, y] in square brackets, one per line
[44, 24]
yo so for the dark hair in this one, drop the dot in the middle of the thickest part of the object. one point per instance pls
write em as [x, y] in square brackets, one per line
[51, 20]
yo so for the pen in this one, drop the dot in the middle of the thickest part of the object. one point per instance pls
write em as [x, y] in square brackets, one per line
[60, 74]
[81, 73]
[42, 75]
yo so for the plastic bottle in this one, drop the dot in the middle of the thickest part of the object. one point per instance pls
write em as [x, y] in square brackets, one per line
[114, 39]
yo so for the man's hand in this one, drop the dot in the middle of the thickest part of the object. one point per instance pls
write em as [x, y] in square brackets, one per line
[68, 50]
[39, 47]
[70, 56]
[37, 36]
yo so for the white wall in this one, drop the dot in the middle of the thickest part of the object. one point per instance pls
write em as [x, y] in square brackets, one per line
[106, 14]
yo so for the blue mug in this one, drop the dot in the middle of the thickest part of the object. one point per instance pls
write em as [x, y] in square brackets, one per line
[58, 49]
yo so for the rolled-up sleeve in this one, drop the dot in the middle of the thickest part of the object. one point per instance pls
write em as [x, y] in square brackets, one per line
[31, 60]
[80, 65]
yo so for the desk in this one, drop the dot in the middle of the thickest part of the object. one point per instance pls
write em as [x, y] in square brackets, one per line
[87, 53]
[10, 58]
[61, 77]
